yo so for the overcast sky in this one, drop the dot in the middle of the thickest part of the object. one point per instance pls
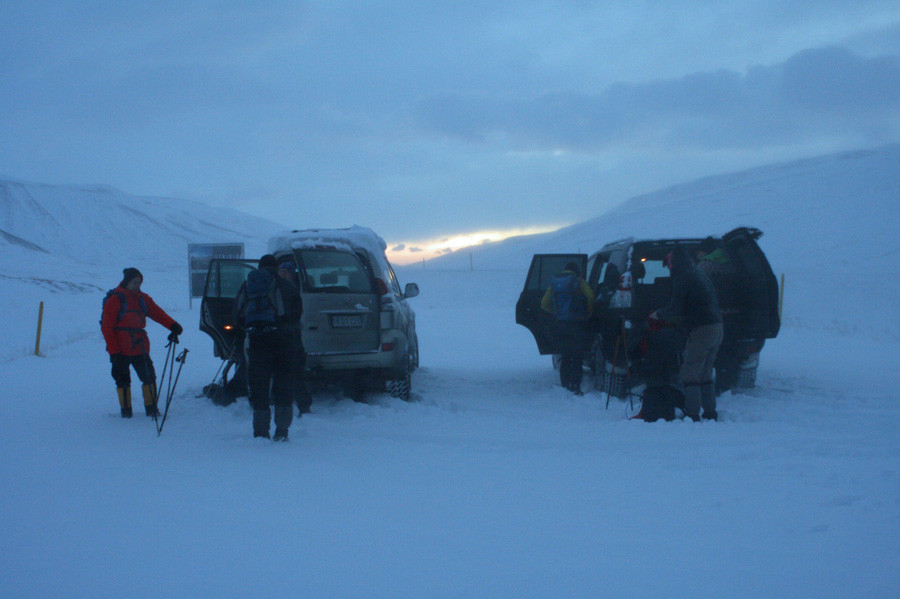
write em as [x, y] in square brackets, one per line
[426, 120]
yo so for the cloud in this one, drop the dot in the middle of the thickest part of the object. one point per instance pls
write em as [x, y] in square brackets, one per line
[415, 249]
[822, 92]
[398, 248]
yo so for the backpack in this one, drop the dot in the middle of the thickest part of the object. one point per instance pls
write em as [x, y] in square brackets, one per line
[260, 308]
[568, 301]
[123, 305]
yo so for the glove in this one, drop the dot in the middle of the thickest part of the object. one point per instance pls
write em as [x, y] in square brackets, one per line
[176, 329]
[173, 337]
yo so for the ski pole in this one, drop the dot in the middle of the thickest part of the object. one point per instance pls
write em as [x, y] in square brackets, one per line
[180, 359]
[609, 382]
[162, 379]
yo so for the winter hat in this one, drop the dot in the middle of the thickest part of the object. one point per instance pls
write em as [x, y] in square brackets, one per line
[678, 260]
[572, 267]
[267, 261]
[287, 264]
[707, 245]
[130, 274]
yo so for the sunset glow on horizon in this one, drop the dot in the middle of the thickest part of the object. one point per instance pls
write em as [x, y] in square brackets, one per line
[408, 252]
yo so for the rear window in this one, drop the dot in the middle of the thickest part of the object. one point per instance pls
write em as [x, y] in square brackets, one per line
[333, 271]
[652, 269]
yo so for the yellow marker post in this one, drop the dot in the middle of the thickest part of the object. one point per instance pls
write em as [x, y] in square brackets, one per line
[781, 296]
[37, 341]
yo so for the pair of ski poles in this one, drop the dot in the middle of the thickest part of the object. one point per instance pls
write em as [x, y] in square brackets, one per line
[169, 367]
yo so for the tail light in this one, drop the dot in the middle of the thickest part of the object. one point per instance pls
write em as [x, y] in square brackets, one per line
[381, 287]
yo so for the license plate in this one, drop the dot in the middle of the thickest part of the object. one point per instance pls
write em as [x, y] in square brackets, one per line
[346, 322]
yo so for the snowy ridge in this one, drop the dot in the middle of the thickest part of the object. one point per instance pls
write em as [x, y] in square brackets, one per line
[832, 209]
[830, 226]
[95, 225]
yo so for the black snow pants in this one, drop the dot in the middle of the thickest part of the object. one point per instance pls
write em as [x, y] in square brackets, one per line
[143, 366]
[572, 341]
[270, 362]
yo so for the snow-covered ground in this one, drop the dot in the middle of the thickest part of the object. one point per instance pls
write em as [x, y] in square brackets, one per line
[494, 482]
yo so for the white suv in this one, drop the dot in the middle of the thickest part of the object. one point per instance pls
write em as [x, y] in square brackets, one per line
[357, 326]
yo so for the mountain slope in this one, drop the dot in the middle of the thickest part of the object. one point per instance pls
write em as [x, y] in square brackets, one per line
[825, 222]
[102, 226]
[845, 202]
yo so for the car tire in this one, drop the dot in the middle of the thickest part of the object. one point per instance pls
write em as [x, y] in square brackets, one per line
[401, 388]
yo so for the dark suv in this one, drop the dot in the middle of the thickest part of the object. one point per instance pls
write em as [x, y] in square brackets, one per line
[630, 281]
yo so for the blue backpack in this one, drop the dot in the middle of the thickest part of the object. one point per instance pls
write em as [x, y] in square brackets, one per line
[260, 309]
[568, 301]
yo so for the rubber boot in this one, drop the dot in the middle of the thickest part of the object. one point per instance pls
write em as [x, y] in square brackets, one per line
[149, 392]
[692, 400]
[304, 398]
[125, 401]
[283, 417]
[261, 423]
[708, 400]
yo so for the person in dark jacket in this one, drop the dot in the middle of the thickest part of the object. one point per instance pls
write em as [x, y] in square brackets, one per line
[268, 310]
[570, 299]
[125, 313]
[287, 270]
[695, 308]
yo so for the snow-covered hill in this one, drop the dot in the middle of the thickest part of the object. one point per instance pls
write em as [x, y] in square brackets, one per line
[839, 211]
[831, 226]
[100, 227]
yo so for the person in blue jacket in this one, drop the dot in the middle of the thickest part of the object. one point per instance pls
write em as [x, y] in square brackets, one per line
[570, 299]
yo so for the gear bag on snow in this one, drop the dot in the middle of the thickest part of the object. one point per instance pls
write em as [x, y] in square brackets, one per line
[261, 307]
[568, 301]
[123, 305]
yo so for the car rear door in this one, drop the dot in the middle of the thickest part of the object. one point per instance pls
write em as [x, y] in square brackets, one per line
[223, 280]
[341, 310]
[757, 285]
[528, 308]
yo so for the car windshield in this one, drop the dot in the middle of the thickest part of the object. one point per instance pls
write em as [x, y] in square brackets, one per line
[333, 271]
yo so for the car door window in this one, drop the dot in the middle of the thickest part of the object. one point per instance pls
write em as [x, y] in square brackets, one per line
[225, 279]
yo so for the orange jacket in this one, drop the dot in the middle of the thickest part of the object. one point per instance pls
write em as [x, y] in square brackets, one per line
[126, 335]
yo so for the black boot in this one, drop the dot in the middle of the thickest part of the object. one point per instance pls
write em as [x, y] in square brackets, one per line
[708, 400]
[261, 423]
[692, 401]
[283, 417]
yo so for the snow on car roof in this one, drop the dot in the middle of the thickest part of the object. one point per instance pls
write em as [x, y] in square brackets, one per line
[351, 238]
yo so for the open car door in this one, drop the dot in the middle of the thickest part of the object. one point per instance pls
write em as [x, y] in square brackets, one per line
[528, 308]
[223, 280]
[758, 292]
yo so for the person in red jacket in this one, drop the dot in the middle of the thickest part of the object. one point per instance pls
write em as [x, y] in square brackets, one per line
[125, 313]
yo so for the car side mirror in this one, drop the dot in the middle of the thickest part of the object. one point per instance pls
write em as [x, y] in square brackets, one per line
[411, 290]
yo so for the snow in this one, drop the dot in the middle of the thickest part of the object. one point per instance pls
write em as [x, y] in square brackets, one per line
[348, 238]
[494, 482]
